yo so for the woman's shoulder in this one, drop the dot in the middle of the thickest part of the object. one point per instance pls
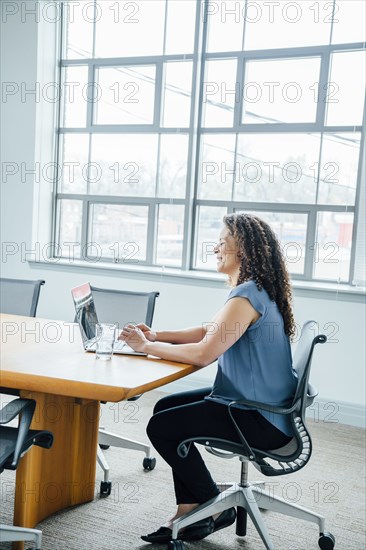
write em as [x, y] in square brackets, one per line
[244, 289]
[258, 298]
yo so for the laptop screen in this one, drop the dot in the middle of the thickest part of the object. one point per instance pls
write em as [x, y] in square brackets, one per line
[86, 315]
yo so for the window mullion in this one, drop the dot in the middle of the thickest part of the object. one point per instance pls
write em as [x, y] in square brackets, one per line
[234, 180]
[152, 224]
[319, 171]
[85, 225]
[323, 89]
[158, 96]
[94, 28]
[91, 100]
[58, 157]
[189, 230]
[310, 245]
[239, 83]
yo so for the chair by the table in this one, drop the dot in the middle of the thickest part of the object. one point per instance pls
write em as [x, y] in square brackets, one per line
[122, 307]
[14, 443]
[19, 296]
[249, 498]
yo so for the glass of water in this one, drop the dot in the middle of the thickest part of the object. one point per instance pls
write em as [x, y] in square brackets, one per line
[105, 337]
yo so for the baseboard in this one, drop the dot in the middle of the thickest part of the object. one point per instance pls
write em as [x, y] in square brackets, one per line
[342, 412]
[322, 410]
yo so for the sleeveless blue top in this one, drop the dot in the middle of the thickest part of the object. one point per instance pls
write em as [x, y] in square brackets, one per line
[259, 365]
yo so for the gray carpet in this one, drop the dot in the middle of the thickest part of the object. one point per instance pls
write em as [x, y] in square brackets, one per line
[333, 484]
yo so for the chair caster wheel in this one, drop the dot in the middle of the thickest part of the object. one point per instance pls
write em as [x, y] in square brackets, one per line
[149, 463]
[326, 541]
[105, 488]
[175, 545]
[104, 447]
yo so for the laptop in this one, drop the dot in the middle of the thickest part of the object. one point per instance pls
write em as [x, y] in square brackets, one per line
[87, 318]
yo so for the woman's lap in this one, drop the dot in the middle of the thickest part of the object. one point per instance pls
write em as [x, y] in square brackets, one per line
[181, 398]
[188, 414]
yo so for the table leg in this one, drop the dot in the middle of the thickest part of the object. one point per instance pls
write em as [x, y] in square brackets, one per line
[49, 480]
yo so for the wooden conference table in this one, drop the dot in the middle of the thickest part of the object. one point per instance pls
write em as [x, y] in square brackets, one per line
[44, 360]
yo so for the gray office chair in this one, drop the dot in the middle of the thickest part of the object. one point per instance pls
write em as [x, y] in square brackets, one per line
[14, 443]
[250, 497]
[19, 296]
[122, 307]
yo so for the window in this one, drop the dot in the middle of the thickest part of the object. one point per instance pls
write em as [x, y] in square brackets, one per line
[173, 113]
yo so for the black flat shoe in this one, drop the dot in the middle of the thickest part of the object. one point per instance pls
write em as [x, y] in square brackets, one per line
[162, 535]
[198, 530]
[225, 519]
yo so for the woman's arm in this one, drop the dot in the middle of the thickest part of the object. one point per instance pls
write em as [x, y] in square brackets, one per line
[183, 336]
[226, 328]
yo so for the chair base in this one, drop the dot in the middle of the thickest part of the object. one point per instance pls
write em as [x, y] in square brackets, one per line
[9, 533]
[113, 440]
[250, 498]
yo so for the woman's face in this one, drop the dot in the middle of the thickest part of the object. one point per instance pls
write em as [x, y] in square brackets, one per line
[227, 258]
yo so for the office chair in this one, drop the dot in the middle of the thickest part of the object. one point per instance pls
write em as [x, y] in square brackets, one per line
[121, 307]
[14, 443]
[250, 497]
[19, 296]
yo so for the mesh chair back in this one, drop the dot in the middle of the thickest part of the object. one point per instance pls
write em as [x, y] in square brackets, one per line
[19, 296]
[302, 361]
[121, 306]
[305, 394]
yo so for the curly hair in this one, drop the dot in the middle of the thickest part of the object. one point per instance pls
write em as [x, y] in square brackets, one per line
[262, 260]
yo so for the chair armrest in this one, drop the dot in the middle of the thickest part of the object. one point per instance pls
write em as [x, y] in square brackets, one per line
[135, 397]
[42, 438]
[26, 407]
[12, 409]
[265, 406]
[311, 395]
[288, 408]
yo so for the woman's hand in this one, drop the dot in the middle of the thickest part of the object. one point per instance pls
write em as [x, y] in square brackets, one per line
[134, 337]
[148, 333]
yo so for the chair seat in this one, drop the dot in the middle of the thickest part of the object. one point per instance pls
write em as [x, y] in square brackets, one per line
[290, 451]
[287, 450]
[287, 459]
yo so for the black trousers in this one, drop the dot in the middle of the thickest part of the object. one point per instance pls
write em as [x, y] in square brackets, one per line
[187, 414]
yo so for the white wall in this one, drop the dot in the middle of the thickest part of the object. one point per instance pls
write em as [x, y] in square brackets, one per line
[338, 367]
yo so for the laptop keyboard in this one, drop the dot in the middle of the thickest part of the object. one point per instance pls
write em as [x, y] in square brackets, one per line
[118, 345]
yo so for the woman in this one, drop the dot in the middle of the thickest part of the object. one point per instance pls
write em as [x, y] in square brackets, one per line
[250, 337]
